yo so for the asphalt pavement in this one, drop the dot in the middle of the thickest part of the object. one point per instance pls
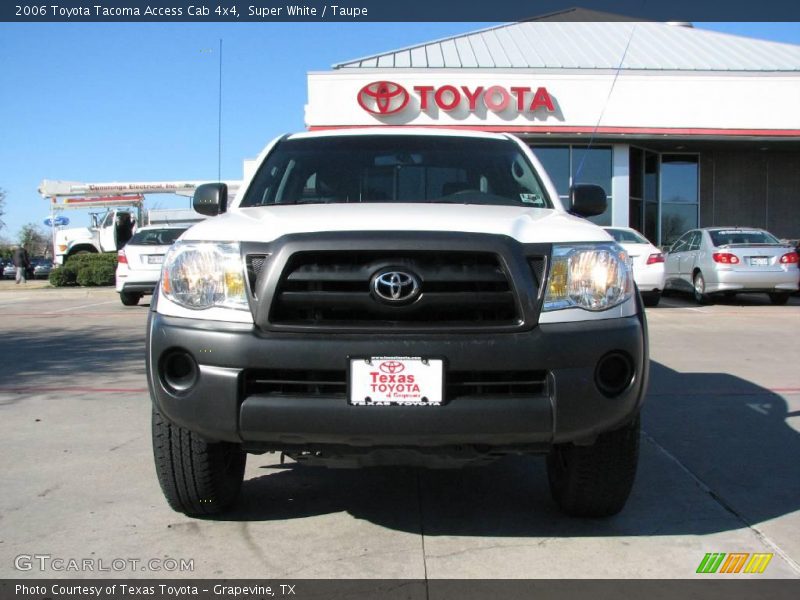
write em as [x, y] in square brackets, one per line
[718, 473]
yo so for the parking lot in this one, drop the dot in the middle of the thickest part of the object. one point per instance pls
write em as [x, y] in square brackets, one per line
[719, 468]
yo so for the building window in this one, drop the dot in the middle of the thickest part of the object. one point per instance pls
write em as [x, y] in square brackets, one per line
[568, 165]
[679, 195]
[664, 194]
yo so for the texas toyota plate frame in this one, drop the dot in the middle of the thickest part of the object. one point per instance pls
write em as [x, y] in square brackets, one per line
[352, 359]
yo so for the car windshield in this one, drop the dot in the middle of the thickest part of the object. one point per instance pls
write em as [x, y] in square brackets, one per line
[742, 237]
[156, 237]
[626, 236]
[396, 168]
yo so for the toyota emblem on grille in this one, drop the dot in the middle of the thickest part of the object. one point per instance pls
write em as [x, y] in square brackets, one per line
[396, 287]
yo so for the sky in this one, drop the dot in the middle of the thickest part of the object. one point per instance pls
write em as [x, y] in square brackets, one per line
[138, 102]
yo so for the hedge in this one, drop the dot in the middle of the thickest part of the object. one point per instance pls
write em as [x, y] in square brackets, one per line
[86, 270]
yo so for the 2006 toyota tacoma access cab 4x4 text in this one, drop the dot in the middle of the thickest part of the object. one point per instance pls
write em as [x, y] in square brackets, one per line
[397, 297]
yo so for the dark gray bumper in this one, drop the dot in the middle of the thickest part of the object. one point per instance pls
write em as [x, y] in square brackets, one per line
[570, 407]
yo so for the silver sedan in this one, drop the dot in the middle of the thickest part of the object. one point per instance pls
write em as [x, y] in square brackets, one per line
[727, 260]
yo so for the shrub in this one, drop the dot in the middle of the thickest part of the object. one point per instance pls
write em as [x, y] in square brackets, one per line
[62, 276]
[86, 270]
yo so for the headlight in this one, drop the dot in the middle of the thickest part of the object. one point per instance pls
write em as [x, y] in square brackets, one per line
[590, 276]
[200, 275]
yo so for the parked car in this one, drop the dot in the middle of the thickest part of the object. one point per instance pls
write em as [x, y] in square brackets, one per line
[42, 268]
[139, 262]
[647, 262]
[9, 270]
[727, 260]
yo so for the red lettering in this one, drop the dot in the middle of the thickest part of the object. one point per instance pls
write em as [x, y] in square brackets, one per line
[472, 97]
[519, 92]
[542, 99]
[455, 98]
[423, 91]
[491, 101]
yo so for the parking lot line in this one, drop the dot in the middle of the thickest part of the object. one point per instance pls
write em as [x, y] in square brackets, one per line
[68, 308]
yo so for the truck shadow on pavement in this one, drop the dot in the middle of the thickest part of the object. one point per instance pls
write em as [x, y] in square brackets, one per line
[70, 357]
[717, 454]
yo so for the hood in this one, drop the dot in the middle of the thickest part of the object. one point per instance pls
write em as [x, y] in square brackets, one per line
[74, 233]
[267, 223]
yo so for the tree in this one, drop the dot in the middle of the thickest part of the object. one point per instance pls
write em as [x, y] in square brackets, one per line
[33, 239]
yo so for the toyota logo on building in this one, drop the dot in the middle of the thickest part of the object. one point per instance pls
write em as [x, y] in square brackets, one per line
[383, 98]
[396, 287]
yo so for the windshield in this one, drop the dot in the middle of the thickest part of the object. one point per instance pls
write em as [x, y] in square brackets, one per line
[389, 168]
[156, 237]
[742, 237]
[625, 236]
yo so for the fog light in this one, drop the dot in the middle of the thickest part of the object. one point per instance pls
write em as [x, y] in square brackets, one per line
[614, 373]
[178, 370]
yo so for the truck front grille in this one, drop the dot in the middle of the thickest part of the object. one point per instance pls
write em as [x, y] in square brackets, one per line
[335, 289]
[333, 383]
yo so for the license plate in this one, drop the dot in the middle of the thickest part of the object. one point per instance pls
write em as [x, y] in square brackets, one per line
[402, 380]
[759, 261]
[155, 259]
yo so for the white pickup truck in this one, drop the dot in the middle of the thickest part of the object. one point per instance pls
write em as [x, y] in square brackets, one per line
[382, 297]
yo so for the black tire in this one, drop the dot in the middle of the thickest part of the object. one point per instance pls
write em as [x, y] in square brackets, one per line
[198, 478]
[699, 288]
[596, 480]
[779, 298]
[651, 299]
[129, 298]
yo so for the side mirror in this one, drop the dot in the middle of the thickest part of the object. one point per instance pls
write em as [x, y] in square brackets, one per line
[210, 199]
[586, 200]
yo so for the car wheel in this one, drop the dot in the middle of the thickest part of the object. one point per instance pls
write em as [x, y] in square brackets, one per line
[779, 298]
[651, 298]
[197, 477]
[129, 298]
[699, 284]
[596, 480]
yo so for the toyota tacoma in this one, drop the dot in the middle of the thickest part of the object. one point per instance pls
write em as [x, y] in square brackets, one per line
[397, 297]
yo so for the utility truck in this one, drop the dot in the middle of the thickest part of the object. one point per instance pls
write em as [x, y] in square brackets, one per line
[120, 209]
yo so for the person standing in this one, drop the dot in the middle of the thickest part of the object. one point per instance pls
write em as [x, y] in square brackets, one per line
[22, 262]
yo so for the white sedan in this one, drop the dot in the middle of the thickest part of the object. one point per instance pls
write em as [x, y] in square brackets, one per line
[139, 262]
[647, 262]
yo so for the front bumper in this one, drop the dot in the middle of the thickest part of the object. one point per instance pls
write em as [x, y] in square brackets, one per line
[570, 406]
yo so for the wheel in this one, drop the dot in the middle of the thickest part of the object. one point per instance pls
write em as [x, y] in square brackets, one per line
[699, 284]
[779, 298]
[129, 298]
[596, 480]
[651, 298]
[197, 477]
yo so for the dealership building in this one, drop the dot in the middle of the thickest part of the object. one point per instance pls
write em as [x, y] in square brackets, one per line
[682, 127]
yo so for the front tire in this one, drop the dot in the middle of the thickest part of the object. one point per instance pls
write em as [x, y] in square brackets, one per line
[129, 298]
[596, 480]
[198, 478]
